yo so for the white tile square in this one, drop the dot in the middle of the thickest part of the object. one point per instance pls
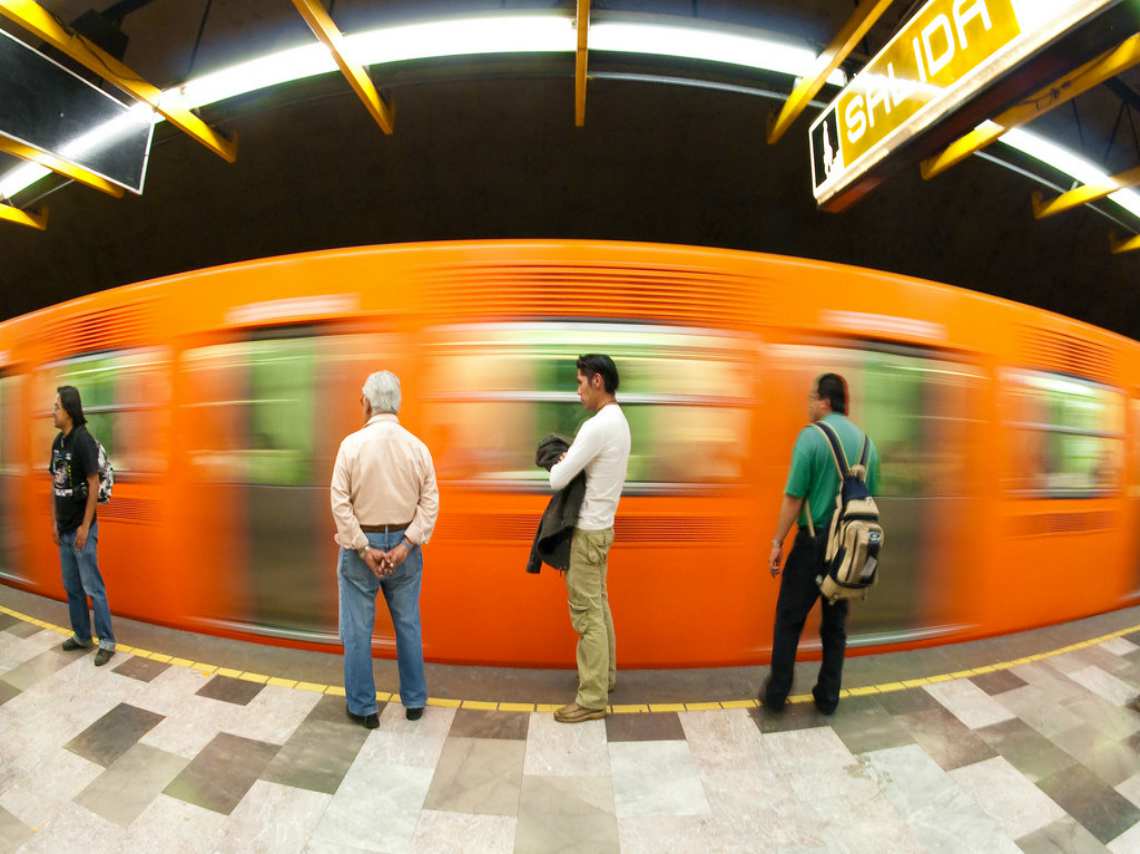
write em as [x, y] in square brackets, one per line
[558, 750]
[1008, 797]
[656, 778]
[969, 703]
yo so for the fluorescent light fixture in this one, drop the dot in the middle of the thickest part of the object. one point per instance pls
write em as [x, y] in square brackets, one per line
[523, 33]
[1073, 165]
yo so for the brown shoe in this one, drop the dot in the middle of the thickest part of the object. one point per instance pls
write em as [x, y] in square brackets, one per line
[575, 714]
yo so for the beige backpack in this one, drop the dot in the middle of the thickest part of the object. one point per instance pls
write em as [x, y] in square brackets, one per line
[855, 538]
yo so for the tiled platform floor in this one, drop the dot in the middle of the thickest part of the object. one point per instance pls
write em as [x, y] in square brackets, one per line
[145, 756]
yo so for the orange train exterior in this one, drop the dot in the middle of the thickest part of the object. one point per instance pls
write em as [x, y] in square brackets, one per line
[1010, 440]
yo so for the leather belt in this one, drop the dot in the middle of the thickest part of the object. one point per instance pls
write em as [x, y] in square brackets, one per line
[385, 529]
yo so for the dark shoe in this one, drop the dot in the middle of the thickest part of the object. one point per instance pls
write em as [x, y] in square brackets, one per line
[103, 656]
[414, 714]
[822, 707]
[771, 703]
[72, 644]
[371, 721]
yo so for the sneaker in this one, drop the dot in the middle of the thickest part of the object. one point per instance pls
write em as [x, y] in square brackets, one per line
[72, 644]
[103, 656]
[574, 714]
[414, 714]
[371, 721]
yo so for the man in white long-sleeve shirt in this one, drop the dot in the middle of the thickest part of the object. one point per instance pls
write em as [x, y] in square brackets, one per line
[601, 449]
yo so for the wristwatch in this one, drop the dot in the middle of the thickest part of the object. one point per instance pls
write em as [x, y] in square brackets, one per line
[362, 552]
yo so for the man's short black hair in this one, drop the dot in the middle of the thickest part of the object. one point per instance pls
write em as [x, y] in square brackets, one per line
[833, 389]
[597, 363]
[72, 404]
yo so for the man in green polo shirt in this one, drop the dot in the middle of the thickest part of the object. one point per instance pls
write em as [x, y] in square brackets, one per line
[813, 484]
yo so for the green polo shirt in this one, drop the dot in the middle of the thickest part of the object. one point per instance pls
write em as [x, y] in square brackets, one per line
[813, 475]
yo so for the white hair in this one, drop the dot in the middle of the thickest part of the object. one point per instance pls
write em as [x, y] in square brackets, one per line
[382, 389]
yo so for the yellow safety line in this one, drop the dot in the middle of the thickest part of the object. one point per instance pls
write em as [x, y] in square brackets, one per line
[621, 709]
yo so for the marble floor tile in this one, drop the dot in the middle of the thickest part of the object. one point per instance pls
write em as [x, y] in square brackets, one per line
[564, 814]
[999, 681]
[662, 726]
[274, 714]
[1119, 646]
[114, 734]
[1112, 720]
[727, 740]
[273, 819]
[656, 778]
[23, 630]
[558, 750]
[399, 741]
[72, 828]
[41, 667]
[13, 832]
[692, 834]
[15, 651]
[864, 725]
[478, 775]
[173, 826]
[908, 702]
[1127, 843]
[1113, 762]
[130, 784]
[1018, 806]
[1130, 789]
[230, 690]
[460, 833]
[7, 692]
[969, 703]
[1025, 749]
[475, 723]
[792, 717]
[317, 756]
[142, 669]
[1103, 811]
[946, 739]
[376, 808]
[942, 816]
[1064, 836]
[187, 731]
[1039, 709]
[7, 621]
[1104, 685]
[60, 775]
[815, 764]
[218, 777]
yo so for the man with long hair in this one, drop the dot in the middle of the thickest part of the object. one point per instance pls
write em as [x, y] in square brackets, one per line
[75, 487]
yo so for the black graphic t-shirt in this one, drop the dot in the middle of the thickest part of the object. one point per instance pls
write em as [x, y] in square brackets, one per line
[73, 459]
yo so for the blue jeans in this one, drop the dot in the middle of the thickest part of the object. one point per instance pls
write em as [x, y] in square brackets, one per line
[81, 578]
[358, 588]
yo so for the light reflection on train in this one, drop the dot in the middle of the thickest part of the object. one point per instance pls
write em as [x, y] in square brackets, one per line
[1008, 477]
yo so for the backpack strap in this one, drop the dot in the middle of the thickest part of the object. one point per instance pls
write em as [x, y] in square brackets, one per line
[837, 453]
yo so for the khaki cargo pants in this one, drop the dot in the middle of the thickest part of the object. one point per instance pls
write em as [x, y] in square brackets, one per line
[591, 618]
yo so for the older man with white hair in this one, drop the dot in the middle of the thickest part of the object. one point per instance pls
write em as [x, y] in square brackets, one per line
[385, 503]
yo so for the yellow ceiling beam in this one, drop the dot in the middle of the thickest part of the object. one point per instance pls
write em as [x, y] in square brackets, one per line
[60, 166]
[862, 19]
[40, 23]
[32, 219]
[1084, 194]
[582, 22]
[1119, 247]
[329, 34]
[1080, 80]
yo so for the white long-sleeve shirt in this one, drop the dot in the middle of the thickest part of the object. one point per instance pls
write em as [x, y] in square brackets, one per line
[601, 448]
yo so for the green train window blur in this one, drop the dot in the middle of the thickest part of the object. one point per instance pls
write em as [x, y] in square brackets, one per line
[1069, 436]
[499, 388]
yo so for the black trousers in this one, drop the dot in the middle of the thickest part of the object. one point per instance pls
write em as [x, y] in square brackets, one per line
[798, 593]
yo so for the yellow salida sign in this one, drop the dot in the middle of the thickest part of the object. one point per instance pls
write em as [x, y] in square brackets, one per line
[936, 49]
[947, 51]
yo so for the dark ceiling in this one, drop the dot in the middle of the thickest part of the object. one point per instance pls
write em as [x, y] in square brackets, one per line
[487, 149]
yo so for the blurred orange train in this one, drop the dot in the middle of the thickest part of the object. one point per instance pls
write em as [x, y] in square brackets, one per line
[1010, 442]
